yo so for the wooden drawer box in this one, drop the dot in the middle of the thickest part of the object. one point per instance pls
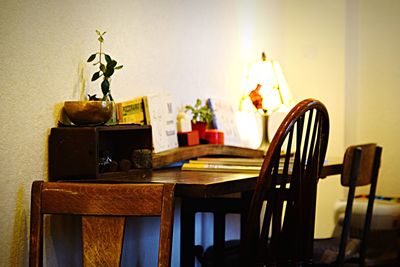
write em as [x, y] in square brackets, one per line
[77, 153]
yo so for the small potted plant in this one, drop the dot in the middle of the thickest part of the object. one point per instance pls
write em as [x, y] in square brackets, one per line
[96, 111]
[201, 116]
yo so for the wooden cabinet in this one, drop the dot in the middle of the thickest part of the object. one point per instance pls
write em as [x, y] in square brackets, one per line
[77, 153]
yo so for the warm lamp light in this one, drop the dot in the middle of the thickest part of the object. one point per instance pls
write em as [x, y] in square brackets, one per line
[266, 88]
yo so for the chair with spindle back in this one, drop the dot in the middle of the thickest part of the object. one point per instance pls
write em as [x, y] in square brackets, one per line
[360, 168]
[103, 208]
[285, 195]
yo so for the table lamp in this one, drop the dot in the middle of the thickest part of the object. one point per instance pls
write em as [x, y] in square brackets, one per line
[267, 90]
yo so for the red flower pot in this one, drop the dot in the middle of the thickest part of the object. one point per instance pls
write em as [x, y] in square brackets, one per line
[200, 127]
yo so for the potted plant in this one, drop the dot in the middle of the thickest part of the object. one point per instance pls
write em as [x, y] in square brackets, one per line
[201, 116]
[97, 110]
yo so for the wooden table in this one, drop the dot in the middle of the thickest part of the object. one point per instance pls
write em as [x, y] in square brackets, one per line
[216, 192]
[75, 153]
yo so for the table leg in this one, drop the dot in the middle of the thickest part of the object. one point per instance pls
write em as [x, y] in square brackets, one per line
[187, 234]
[219, 207]
[246, 199]
[219, 237]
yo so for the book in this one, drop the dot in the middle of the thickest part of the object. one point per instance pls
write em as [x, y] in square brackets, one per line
[220, 167]
[230, 161]
[132, 112]
[242, 165]
[236, 160]
[159, 113]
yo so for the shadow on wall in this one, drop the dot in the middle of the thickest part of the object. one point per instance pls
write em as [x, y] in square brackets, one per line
[19, 244]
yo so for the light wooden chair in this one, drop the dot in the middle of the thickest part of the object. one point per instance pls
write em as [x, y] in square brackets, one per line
[103, 208]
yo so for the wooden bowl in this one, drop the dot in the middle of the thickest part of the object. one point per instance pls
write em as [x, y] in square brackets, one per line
[88, 112]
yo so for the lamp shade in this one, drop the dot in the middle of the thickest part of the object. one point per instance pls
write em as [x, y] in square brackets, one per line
[266, 85]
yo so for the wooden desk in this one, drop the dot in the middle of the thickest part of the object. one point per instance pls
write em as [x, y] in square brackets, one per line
[75, 154]
[201, 192]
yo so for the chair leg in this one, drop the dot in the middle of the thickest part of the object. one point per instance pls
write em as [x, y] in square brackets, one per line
[36, 227]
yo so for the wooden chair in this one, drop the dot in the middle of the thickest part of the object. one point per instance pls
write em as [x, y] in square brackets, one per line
[285, 194]
[103, 208]
[360, 167]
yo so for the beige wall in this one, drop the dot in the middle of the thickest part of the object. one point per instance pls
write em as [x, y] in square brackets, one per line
[191, 49]
[373, 83]
[314, 57]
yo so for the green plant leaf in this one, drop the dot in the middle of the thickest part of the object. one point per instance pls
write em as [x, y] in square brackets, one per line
[95, 76]
[91, 58]
[105, 87]
[98, 33]
[102, 67]
[118, 67]
[109, 71]
[101, 39]
[93, 97]
[187, 108]
[198, 103]
[110, 96]
[112, 64]
[108, 58]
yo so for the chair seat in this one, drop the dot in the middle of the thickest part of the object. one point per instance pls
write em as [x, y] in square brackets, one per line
[327, 250]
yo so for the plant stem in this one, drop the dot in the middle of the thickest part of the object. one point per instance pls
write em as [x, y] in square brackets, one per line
[100, 54]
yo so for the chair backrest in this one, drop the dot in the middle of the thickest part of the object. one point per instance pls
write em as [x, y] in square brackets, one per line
[288, 182]
[103, 208]
[360, 167]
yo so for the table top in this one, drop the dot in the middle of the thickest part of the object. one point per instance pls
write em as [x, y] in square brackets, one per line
[205, 184]
[195, 183]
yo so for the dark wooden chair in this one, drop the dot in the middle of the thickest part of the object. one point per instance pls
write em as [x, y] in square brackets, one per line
[285, 195]
[103, 208]
[360, 168]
